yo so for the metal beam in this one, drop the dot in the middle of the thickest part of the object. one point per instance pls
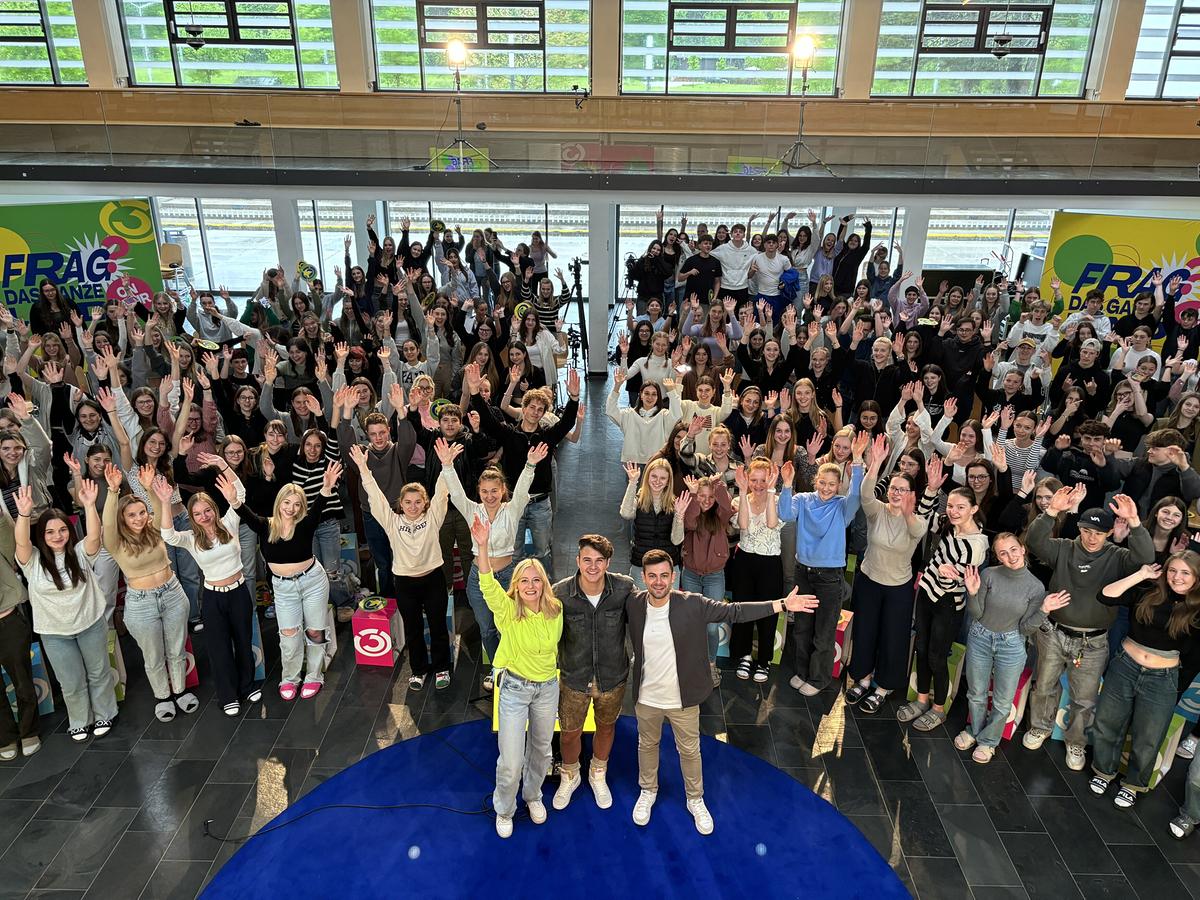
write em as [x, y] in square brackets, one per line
[867, 190]
[860, 43]
[1112, 60]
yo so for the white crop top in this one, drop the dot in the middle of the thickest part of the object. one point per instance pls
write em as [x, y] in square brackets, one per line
[219, 562]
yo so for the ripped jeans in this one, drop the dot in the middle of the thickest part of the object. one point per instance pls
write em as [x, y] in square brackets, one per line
[302, 608]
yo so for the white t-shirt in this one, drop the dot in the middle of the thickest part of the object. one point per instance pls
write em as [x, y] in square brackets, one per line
[68, 611]
[594, 599]
[735, 263]
[660, 677]
[766, 279]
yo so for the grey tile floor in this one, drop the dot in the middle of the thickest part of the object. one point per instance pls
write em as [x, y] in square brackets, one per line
[122, 817]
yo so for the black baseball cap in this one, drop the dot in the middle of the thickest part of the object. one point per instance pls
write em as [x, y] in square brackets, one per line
[1097, 519]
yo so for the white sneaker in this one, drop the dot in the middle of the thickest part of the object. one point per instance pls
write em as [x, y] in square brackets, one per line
[566, 787]
[504, 826]
[537, 812]
[598, 781]
[641, 809]
[704, 819]
[1076, 758]
[1186, 748]
[1034, 738]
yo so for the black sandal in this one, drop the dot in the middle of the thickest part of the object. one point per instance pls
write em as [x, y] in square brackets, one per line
[872, 703]
[856, 692]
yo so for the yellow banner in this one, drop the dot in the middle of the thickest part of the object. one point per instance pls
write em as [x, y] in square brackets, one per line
[1120, 256]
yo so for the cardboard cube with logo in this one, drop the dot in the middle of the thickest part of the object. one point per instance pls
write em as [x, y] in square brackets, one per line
[191, 678]
[842, 642]
[958, 653]
[378, 633]
[41, 683]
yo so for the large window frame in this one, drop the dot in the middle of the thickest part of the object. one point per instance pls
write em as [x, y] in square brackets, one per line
[1181, 42]
[1040, 31]
[225, 23]
[24, 16]
[746, 31]
[487, 28]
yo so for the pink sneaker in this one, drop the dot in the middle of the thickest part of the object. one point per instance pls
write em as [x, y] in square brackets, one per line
[287, 691]
[310, 689]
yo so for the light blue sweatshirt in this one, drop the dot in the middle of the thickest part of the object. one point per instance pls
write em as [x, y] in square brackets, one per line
[821, 525]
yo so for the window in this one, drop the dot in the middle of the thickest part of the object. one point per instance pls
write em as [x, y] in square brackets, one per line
[522, 45]
[966, 238]
[254, 45]
[239, 237]
[1167, 62]
[1030, 233]
[39, 43]
[996, 49]
[726, 47]
[179, 223]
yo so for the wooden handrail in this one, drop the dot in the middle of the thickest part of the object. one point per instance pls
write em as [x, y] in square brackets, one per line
[555, 114]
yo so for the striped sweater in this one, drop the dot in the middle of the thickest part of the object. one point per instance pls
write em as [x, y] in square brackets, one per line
[960, 552]
[310, 477]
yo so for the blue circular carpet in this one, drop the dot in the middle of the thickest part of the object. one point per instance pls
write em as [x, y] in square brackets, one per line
[773, 837]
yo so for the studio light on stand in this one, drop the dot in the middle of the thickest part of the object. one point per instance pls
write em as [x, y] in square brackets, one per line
[799, 155]
[457, 57]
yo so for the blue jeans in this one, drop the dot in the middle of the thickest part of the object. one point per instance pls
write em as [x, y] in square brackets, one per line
[538, 518]
[327, 544]
[80, 662]
[524, 757]
[301, 604]
[489, 637]
[994, 659]
[381, 554]
[1191, 793]
[248, 539]
[711, 586]
[158, 621]
[1139, 701]
[186, 569]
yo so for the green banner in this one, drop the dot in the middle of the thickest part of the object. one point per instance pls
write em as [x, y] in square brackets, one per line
[95, 252]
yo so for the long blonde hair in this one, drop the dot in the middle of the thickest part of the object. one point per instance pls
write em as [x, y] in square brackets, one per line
[645, 496]
[202, 541]
[275, 531]
[150, 537]
[549, 606]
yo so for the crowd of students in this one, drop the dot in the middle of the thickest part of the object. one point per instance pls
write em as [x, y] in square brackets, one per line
[1002, 472]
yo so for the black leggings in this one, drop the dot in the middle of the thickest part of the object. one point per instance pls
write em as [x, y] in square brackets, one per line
[755, 577]
[227, 637]
[937, 625]
[417, 594]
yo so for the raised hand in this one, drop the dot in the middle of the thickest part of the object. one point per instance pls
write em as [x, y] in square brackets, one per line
[935, 474]
[1122, 505]
[87, 494]
[333, 472]
[227, 485]
[633, 471]
[358, 455]
[537, 453]
[787, 474]
[971, 579]
[1054, 601]
[163, 489]
[481, 528]
[114, 477]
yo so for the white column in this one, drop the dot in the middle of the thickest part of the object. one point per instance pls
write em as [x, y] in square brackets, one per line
[352, 45]
[916, 231]
[606, 49]
[360, 209]
[100, 43]
[286, 218]
[602, 255]
[860, 43]
[1116, 46]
